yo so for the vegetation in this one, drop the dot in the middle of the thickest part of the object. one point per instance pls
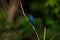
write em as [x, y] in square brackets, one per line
[14, 26]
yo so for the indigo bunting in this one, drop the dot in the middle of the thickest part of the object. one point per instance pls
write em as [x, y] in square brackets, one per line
[31, 19]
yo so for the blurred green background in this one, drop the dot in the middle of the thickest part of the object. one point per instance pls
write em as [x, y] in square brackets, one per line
[45, 13]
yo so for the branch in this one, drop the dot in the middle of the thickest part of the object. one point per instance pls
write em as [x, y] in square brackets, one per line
[28, 20]
[54, 36]
[44, 33]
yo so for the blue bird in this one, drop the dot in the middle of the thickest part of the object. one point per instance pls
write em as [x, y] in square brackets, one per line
[31, 19]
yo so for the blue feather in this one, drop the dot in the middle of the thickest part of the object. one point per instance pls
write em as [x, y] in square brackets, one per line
[31, 19]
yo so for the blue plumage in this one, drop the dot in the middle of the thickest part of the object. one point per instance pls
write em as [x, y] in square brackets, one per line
[31, 19]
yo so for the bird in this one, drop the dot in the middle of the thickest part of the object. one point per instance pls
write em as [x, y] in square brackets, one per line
[31, 19]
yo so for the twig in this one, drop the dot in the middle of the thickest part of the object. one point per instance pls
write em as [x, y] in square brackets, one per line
[18, 10]
[44, 33]
[54, 36]
[29, 22]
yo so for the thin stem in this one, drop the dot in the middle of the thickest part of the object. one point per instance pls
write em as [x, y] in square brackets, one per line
[28, 21]
[44, 33]
[31, 25]
[23, 11]
[54, 36]
[36, 32]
